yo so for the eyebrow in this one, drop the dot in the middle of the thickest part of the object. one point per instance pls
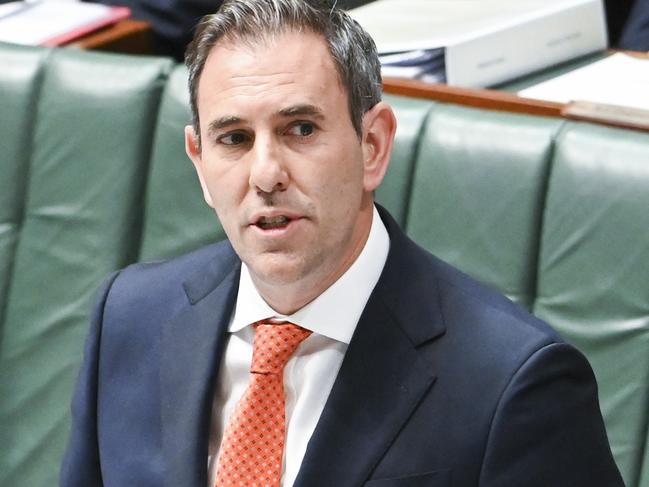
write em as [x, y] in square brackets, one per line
[296, 110]
[221, 123]
[304, 109]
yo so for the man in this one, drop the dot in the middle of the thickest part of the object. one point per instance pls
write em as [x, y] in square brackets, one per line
[173, 21]
[617, 13]
[635, 34]
[402, 371]
[628, 24]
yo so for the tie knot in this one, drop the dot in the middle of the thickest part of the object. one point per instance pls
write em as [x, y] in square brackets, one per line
[273, 346]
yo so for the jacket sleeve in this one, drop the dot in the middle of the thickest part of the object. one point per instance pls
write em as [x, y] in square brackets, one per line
[81, 463]
[548, 429]
[635, 34]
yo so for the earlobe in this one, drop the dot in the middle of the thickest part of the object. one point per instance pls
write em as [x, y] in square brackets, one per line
[379, 127]
[193, 150]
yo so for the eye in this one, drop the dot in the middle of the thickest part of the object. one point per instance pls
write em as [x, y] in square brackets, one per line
[234, 138]
[302, 129]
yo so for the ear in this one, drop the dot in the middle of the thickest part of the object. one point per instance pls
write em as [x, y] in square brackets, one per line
[379, 127]
[194, 153]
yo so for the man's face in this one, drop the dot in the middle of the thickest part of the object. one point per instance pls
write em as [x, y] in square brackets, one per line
[281, 164]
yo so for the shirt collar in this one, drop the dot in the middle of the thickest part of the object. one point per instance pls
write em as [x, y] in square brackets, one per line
[337, 310]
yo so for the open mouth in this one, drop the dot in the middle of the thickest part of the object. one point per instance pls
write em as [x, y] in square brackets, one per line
[269, 223]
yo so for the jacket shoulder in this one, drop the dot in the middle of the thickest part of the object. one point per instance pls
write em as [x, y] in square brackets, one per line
[417, 285]
[162, 287]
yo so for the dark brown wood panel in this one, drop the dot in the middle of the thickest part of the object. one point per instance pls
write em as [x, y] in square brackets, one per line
[478, 98]
[127, 36]
[508, 102]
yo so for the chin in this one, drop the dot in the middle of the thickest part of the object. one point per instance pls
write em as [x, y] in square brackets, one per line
[277, 269]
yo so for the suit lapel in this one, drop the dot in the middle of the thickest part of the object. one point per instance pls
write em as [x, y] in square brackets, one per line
[384, 375]
[193, 343]
[380, 383]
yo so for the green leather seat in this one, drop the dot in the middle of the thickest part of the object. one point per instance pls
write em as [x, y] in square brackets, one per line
[176, 217]
[94, 122]
[394, 191]
[478, 194]
[594, 272]
[19, 82]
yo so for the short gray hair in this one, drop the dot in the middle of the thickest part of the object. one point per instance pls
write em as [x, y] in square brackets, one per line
[352, 49]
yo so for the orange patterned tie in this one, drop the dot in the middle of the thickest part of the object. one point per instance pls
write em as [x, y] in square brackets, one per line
[253, 443]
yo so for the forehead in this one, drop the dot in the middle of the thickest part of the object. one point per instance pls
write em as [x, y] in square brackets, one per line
[291, 64]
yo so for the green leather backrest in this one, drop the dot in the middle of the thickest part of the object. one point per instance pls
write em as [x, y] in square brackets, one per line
[594, 272]
[19, 82]
[177, 219]
[395, 188]
[94, 123]
[478, 192]
[643, 475]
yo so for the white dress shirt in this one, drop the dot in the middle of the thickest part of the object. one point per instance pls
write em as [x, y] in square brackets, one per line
[311, 371]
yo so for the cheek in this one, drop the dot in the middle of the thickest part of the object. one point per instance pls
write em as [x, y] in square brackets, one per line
[224, 177]
[227, 187]
[347, 173]
[342, 192]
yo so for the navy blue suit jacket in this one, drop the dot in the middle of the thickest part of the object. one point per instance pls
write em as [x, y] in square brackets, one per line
[635, 35]
[445, 383]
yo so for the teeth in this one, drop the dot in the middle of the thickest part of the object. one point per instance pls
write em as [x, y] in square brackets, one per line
[274, 222]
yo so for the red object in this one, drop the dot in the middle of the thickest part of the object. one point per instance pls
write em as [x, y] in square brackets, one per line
[113, 15]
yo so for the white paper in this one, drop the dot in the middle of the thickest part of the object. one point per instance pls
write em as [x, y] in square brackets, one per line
[616, 80]
[11, 8]
[35, 22]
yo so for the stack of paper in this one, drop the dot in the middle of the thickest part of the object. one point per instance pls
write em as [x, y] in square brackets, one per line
[424, 64]
[54, 23]
[480, 42]
[619, 79]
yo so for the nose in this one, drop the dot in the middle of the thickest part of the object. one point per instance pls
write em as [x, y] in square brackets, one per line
[267, 173]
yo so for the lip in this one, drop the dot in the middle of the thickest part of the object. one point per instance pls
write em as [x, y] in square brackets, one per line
[256, 216]
[294, 220]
